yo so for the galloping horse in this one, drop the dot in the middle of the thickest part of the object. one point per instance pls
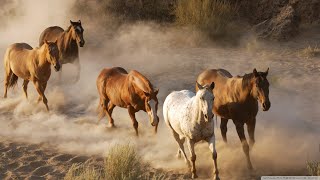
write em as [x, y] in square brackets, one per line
[68, 41]
[237, 98]
[189, 117]
[130, 90]
[22, 61]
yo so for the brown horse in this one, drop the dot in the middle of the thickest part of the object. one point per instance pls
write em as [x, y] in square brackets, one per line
[130, 90]
[22, 61]
[237, 98]
[68, 41]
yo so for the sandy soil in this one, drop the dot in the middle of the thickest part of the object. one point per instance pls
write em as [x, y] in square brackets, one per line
[37, 144]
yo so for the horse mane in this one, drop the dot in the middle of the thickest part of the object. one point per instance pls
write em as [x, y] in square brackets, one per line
[246, 79]
[142, 82]
[68, 29]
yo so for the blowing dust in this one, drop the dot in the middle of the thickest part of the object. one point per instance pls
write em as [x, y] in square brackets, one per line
[286, 136]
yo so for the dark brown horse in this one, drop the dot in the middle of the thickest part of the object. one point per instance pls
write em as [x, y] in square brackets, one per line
[68, 42]
[237, 98]
[130, 90]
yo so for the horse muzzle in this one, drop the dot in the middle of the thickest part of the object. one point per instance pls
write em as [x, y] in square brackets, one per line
[81, 43]
[57, 67]
[266, 106]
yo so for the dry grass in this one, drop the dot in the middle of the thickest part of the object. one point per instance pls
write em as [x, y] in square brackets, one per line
[313, 168]
[212, 16]
[84, 172]
[121, 163]
[310, 52]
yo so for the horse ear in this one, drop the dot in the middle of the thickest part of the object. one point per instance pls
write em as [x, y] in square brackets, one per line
[46, 41]
[79, 21]
[56, 41]
[212, 86]
[156, 91]
[147, 94]
[199, 85]
[255, 72]
[266, 73]
[71, 22]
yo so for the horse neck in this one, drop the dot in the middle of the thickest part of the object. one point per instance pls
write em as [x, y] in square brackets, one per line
[67, 38]
[141, 83]
[242, 91]
[196, 112]
[41, 57]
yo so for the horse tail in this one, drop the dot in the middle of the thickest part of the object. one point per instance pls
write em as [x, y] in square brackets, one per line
[13, 79]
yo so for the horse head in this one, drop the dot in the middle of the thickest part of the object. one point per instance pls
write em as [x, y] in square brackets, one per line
[77, 32]
[151, 106]
[260, 88]
[52, 54]
[206, 99]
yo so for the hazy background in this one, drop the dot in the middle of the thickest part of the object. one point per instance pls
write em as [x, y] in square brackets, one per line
[286, 136]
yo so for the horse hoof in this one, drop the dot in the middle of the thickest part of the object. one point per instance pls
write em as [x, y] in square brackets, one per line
[194, 176]
[216, 178]
[178, 156]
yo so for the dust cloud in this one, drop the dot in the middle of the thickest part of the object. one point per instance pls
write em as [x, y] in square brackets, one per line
[286, 136]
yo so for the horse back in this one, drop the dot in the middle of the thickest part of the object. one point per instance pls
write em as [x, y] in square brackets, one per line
[218, 76]
[18, 51]
[50, 34]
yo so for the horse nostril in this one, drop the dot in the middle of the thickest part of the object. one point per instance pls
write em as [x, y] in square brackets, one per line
[206, 116]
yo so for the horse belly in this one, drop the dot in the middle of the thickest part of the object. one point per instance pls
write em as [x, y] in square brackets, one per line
[20, 69]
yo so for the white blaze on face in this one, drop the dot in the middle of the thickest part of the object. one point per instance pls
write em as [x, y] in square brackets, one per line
[78, 28]
[152, 113]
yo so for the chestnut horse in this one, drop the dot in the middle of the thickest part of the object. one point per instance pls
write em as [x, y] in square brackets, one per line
[68, 42]
[22, 61]
[237, 98]
[130, 90]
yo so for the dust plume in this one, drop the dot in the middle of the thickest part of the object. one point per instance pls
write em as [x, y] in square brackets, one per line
[286, 135]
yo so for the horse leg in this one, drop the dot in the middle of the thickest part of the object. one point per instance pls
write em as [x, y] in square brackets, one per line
[193, 158]
[245, 146]
[181, 147]
[212, 147]
[40, 88]
[101, 109]
[223, 128]
[25, 87]
[133, 118]
[8, 75]
[109, 114]
[251, 127]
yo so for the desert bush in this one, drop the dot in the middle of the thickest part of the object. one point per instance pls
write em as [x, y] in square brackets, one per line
[126, 10]
[121, 163]
[212, 16]
[84, 172]
[313, 168]
[310, 52]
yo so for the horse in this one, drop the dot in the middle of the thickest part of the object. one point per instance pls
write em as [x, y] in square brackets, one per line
[237, 98]
[189, 117]
[68, 42]
[132, 91]
[29, 64]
